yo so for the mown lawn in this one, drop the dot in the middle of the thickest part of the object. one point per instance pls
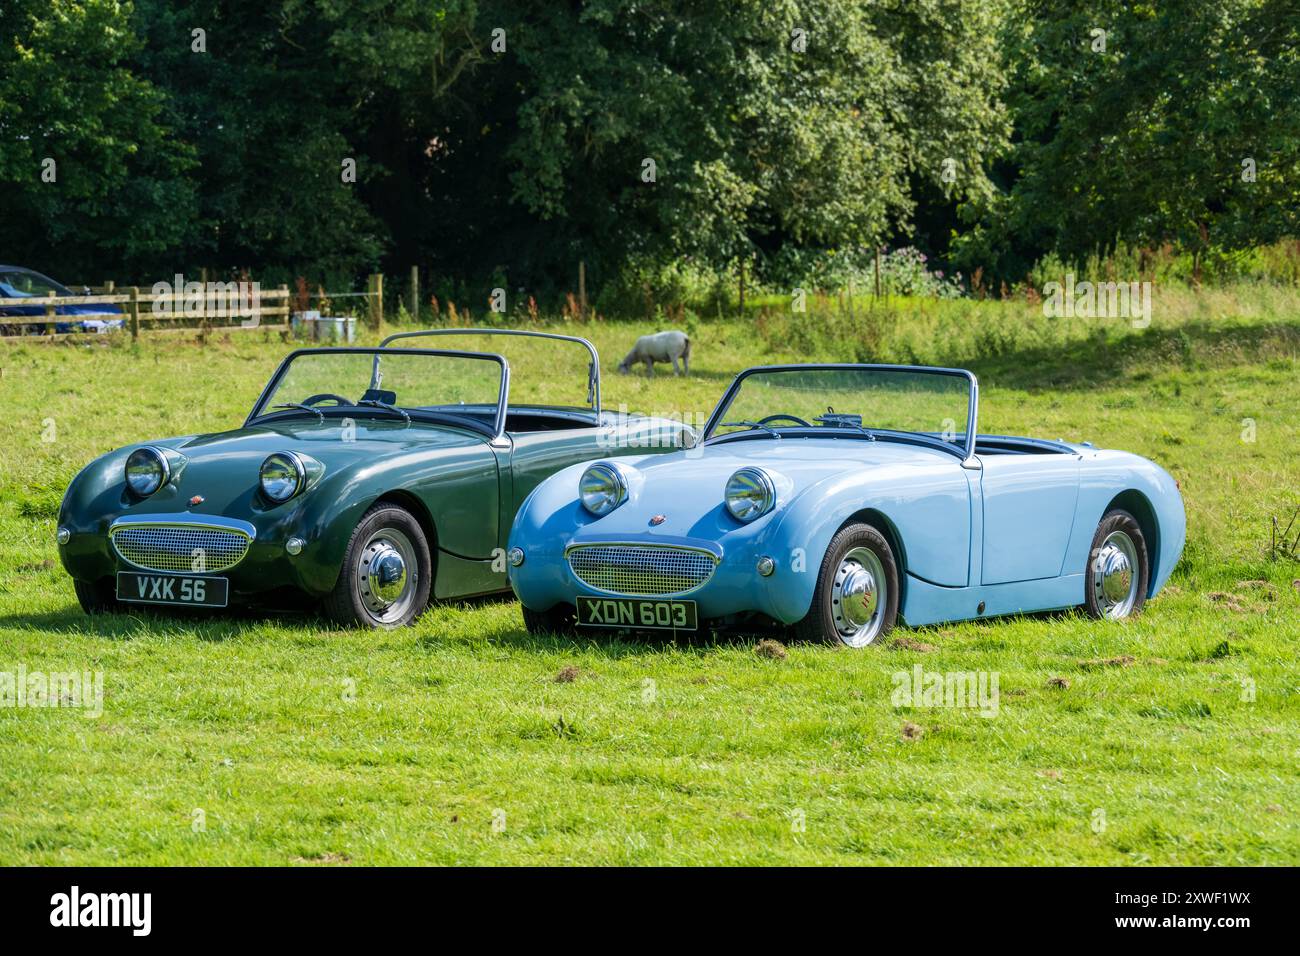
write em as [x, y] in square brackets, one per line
[1171, 739]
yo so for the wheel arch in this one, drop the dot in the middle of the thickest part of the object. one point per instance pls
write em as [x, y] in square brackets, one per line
[878, 520]
[1139, 506]
[413, 504]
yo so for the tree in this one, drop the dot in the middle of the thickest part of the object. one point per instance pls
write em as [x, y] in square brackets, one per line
[1144, 124]
[95, 184]
[762, 122]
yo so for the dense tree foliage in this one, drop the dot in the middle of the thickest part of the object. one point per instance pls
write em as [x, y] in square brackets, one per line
[90, 173]
[504, 140]
[1173, 122]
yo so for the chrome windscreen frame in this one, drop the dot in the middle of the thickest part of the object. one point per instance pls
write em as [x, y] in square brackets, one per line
[503, 396]
[967, 455]
[593, 368]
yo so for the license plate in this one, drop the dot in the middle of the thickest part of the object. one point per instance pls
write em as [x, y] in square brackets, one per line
[638, 613]
[172, 589]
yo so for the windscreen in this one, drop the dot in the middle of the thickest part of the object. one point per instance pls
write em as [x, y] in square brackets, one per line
[851, 400]
[406, 379]
[550, 372]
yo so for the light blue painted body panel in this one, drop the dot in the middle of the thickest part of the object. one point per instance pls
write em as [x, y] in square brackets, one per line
[1022, 492]
[1013, 532]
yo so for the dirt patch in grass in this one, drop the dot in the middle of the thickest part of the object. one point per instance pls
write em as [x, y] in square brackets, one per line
[910, 644]
[325, 859]
[1252, 596]
[1060, 683]
[1124, 660]
[912, 731]
[45, 565]
[567, 675]
[1256, 584]
[1228, 601]
[773, 650]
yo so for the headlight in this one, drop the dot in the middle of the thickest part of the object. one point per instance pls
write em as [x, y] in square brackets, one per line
[601, 489]
[146, 471]
[749, 494]
[283, 475]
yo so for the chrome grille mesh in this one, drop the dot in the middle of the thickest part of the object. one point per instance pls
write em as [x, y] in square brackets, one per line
[180, 548]
[641, 569]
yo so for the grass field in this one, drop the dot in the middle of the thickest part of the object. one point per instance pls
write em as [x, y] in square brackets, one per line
[1170, 739]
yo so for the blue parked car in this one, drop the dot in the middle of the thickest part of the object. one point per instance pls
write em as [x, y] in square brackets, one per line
[836, 500]
[18, 284]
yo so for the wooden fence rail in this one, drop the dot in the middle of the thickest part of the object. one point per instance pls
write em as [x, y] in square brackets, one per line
[218, 306]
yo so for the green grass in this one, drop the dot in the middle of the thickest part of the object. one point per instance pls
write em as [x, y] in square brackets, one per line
[305, 744]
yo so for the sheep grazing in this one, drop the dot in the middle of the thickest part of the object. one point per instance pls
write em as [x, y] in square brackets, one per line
[660, 347]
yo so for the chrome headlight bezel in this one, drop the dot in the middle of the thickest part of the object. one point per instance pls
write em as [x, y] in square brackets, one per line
[601, 500]
[291, 465]
[160, 470]
[749, 494]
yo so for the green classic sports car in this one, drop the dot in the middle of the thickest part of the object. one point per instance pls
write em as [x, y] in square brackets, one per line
[365, 481]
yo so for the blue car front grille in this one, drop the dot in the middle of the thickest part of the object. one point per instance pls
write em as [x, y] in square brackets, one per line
[641, 569]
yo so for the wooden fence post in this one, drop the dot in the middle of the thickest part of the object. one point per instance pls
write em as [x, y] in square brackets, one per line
[742, 288]
[877, 272]
[582, 288]
[376, 290]
[415, 293]
[134, 311]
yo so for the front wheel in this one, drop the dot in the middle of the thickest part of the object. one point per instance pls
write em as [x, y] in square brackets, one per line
[855, 602]
[1115, 583]
[387, 571]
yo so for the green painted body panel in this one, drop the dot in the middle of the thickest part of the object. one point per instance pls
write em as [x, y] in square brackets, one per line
[464, 487]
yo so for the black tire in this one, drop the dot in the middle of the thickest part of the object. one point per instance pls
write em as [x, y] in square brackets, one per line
[97, 597]
[558, 620]
[825, 621]
[383, 528]
[1099, 598]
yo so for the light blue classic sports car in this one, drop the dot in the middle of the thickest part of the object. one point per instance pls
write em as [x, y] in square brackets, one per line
[835, 500]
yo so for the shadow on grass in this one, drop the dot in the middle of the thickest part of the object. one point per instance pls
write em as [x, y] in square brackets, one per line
[718, 375]
[132, 621]
[1104, 359]
[614, 644]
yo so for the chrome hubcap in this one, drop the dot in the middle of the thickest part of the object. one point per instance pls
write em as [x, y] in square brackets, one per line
[858, 597]
[1114, 575]
[386, 575]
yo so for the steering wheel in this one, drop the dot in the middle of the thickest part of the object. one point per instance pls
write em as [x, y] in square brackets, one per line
[789, 418]
[324, 395]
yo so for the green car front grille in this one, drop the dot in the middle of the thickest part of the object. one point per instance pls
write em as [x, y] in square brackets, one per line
[180, 548]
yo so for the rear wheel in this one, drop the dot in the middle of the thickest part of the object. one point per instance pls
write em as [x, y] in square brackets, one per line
[1115, 583]
[387, 571]
[96, 597]
[855, 602]
[558, 620]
